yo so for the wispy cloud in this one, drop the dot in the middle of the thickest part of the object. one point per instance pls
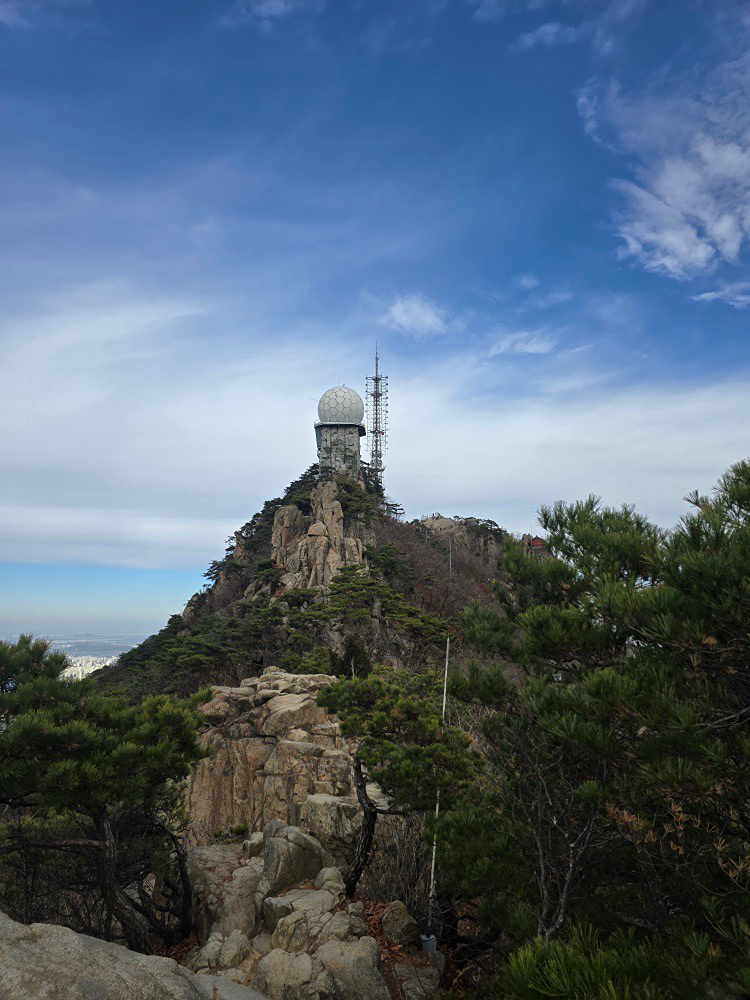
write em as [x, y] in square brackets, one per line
[662, 440]
[526, 282]
[685, 209]
[494, 10]
[522, 342]
[416, 315]
[135, 447]
[602, 30]
[37, 13]
[735, 294]
[546, 300]
[268, 11]
[549, 35]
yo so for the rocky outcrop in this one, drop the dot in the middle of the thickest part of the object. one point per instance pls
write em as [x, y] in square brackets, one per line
[399, 927]
[46, 962]
[291, 931]
[275, 754]
[477, 538]
[272, 911]
[311, 550]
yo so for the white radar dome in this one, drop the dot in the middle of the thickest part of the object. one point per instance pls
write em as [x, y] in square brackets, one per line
[341, 405]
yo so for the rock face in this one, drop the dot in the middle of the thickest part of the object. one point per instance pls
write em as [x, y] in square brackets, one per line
[46, 962]
[272, 911]
[482, 539]
[299, 937]
[311, 550]
[275, 755]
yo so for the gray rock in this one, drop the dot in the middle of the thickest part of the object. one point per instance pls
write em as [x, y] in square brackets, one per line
[207, 957]
[333, 819]
[356, 912]
[337, 928]
[284, 976]
[237, 908]
[355, 968]
[253, 846]
[274, 908]
[420, 979]
[46, 962]
[289, 857]
[399, 927]
[262, 944]
[307, 930]
[311, 900]
[330, 879]
[234, 950]
[292, 932]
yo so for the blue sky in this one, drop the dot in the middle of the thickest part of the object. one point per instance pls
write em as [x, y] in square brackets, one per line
[210, 211]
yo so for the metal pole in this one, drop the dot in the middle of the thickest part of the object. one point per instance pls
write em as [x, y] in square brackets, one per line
[437, 797]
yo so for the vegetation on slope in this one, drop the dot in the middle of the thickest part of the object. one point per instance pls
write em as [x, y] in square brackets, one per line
[398, 610]
[605, 842]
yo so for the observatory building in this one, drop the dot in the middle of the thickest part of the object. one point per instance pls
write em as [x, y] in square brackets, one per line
[337, 431]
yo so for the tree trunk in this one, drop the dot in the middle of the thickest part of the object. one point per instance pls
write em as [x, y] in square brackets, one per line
[366, 831]
[134, 926]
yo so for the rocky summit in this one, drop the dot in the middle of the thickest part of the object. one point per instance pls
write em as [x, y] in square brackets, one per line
[272, 911]
[275, 754]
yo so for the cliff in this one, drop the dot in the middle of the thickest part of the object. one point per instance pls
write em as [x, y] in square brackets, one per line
[311, 550]
[275, 754]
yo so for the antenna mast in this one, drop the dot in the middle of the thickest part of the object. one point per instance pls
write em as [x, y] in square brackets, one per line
[377, 419]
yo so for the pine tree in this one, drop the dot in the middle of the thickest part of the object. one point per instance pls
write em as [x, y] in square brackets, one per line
[88, 785]
[395, 714]
[616, 779]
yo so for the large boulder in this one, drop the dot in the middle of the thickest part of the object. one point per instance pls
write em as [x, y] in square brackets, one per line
[399, 927]
[46, 962]
[355, 968]
[285, 976]
[419, 979]
[307, 930]
[290, 857]
[224, 889]
[311, 550]
[337, 971]
[334, 820]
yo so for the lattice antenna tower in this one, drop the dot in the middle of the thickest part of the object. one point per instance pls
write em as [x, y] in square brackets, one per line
[377, 419]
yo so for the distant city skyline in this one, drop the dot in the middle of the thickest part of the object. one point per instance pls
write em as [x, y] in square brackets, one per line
[210, 214]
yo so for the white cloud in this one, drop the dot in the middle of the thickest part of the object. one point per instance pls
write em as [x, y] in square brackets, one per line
[661, 236]
[735, 294]
[505, 456]
[416, 315]
[127, 448]
[546, 300]
[494, 10]
[36, 13]
[603, 29]
[522, 342]
[685, 210]
[527, 281]
[268, 11]
[549, 35]
[122, 442]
